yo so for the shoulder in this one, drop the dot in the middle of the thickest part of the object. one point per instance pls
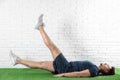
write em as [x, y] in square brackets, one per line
[94, 71]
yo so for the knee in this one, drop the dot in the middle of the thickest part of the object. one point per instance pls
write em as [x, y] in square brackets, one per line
[49, 44]
[40, 65]
[36, 65]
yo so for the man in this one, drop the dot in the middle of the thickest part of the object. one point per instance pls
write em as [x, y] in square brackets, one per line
[60, 66]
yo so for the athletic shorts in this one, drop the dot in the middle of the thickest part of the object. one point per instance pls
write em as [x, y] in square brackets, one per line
[61, 65]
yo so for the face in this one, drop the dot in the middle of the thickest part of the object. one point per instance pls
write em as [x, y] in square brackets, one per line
[104, 68]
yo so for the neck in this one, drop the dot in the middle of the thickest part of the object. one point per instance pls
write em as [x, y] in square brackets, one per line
[99, 68]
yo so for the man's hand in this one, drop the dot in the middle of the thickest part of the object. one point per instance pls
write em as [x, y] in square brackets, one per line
[59, 75]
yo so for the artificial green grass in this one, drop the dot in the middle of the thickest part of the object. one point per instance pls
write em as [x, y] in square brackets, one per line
[38, 74]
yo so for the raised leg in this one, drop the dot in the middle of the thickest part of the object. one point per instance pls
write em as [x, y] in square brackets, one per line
[53, 48]
[48, 42]
[46, 65]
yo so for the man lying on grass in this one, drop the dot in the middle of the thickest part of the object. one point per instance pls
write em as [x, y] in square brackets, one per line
[60, 66]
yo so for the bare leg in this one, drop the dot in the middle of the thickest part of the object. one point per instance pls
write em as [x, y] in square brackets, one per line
[53, 48]
[46, 65]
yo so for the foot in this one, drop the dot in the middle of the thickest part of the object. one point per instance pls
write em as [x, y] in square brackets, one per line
[13, 58]
[40, 22]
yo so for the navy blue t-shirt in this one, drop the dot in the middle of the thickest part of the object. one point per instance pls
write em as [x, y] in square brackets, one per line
[83, 65]
[61, 65]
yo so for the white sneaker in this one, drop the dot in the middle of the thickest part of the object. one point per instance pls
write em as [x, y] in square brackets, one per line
[13, 58]
[40, 22]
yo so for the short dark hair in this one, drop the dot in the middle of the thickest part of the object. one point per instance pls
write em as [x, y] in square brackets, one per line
[111, 71]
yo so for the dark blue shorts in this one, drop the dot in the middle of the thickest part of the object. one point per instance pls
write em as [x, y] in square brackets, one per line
[61, 65]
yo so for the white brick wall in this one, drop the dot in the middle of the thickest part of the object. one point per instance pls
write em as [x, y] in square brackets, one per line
[83, 29]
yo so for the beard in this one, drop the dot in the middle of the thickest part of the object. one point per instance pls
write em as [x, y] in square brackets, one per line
[101, 64]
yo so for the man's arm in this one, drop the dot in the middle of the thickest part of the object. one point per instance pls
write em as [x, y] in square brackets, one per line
[84, 73]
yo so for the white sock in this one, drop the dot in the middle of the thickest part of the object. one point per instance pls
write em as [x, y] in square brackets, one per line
[13, 58]
[40, 22]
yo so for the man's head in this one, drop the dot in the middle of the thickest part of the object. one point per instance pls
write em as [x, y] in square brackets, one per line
[106, 69]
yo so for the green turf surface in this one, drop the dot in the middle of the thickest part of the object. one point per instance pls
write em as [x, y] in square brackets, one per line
[37, 74]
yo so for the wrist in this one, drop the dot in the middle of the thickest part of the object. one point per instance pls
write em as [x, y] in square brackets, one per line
[63, 75]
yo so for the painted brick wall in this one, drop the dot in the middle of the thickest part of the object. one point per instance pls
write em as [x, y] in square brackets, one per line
[82, 29]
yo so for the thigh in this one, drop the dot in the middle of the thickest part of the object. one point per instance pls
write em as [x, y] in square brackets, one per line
[54, 50]
[60, 64]
[47, 65]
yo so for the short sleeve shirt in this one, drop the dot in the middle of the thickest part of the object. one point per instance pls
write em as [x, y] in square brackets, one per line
[83, 65]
